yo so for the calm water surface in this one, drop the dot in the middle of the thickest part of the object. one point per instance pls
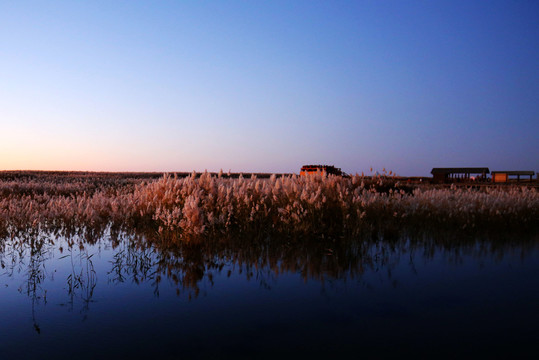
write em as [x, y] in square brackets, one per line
[132, 298]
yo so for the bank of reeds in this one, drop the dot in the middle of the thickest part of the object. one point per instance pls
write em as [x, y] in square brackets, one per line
[191, 208]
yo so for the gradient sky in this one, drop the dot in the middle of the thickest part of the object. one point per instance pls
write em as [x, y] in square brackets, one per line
[267, 86]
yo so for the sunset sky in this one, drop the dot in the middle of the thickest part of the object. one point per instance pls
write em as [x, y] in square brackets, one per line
[267, 86]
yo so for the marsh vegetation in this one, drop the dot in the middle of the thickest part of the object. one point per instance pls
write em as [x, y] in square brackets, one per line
[198, 208]
[309, 265]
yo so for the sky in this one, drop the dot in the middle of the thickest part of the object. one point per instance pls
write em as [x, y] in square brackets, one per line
[268, 86]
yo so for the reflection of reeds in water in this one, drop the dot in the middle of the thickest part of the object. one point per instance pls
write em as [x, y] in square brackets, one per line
[28, 258]
[196, 208]
[82, 280]
[139, 259]
[185, 231]
[33, 258]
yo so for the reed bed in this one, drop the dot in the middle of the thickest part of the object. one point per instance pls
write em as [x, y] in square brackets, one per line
[194, 208]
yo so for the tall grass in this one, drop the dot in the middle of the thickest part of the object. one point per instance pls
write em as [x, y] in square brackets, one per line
[194, 208]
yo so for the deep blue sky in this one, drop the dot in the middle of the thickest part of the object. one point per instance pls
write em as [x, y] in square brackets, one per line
[269, 85]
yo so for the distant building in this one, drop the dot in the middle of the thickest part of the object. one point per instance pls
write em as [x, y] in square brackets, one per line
[504, 176]
[322, 169]
[443, 175]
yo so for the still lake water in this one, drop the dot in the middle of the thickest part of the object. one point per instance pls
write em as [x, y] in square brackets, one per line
[129, 298]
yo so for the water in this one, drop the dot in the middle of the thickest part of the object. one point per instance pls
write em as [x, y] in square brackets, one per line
[130, 297]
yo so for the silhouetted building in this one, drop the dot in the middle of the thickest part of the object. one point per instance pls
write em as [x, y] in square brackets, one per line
[322, 169]
[443, 175]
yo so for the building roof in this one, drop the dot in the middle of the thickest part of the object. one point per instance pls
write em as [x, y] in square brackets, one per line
[513, 172]
[474, 170]
[318, 166]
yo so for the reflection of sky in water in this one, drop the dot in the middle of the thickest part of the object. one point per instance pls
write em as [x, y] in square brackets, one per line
[384, 301]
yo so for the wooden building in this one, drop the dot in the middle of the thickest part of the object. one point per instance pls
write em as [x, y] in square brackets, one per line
[322, 169]
[504, 176]
[444, 175]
